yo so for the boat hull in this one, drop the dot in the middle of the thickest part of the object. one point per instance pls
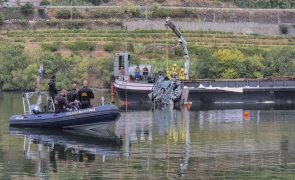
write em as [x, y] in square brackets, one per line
[133, 92]
[101, 114]
[280, 93]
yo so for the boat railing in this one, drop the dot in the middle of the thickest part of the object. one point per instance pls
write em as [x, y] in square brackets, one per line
[27, 106]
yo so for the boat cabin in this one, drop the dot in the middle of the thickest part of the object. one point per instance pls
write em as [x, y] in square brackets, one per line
[124, 71]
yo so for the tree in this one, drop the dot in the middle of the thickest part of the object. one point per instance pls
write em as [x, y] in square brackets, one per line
[206, 65]
[12, 62]
[230, 63]
[253, 67]
[279, 62]
[27, 9]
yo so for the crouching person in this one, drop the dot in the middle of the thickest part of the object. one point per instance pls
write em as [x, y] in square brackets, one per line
[60, 102]
[72, 98]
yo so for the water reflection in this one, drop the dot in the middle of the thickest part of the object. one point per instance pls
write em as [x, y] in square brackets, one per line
[66, 145]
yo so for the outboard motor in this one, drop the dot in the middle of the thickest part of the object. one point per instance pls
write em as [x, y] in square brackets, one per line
[35, 109]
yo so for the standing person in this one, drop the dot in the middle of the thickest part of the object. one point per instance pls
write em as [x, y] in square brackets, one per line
[52, 87]
[84, 95]
[52, 93]
[72, 97]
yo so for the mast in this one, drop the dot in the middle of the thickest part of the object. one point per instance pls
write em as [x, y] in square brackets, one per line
[183, 44]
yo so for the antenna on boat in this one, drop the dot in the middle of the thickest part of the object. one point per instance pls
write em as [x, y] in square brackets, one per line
[126, 38]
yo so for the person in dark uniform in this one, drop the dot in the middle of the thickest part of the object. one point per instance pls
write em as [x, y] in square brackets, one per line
[51, 87]
[84, 95]
[52, 92]
[73, 94]
[60, 102]
[72, 97]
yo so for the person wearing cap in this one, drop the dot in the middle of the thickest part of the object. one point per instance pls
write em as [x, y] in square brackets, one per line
[182, 74]
[84, 95]
[52, 87]
[60, 102]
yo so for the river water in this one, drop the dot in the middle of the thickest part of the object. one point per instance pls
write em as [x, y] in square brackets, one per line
[159, 144]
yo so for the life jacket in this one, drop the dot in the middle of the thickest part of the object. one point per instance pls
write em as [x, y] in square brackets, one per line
[174, 71]
[181, 75]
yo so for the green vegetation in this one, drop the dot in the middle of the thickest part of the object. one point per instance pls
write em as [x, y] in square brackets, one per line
[81, 46]
[72, 54]
[51, 46]
[284, 4]
[27, 9]
[284, 28]
[1, 19]
[44, 3]
[19, 67]
[63, 14]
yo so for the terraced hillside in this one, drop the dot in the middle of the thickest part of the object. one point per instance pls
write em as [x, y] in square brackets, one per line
[144, 38]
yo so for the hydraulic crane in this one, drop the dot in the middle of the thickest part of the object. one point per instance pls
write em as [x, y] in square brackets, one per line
[183, 44]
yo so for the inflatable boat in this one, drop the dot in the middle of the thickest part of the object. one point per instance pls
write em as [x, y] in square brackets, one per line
[34, 117]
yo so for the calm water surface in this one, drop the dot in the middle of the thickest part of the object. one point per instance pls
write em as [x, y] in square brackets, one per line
[160, 144]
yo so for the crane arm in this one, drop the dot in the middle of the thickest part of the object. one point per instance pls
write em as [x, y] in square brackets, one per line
[183, 44]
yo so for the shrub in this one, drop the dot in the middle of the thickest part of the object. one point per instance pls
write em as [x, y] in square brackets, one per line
[74, 24]
[115, 46]
[95, 2]
[51, 46]
[159, 1]
[63, 14]
[51, 23]
[179, 51]
[44, 3]
[230, 63]
[284, 28]
[106, 13]
[109, 47]
[279, 62]
[1, 19]
[266, 3]
[132, 11]
[81, 46]
[27, 9]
